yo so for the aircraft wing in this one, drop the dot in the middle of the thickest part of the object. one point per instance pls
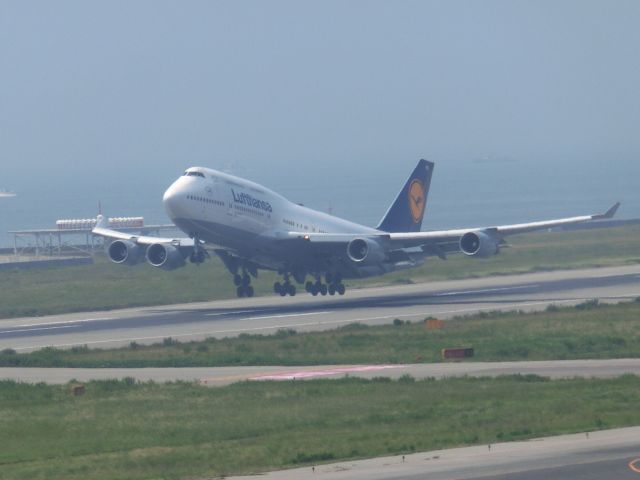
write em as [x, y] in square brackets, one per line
[479, 241]
[102, 231]
[130, 249]
[414, 239]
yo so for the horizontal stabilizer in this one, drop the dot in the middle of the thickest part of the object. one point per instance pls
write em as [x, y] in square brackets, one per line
[608, 214]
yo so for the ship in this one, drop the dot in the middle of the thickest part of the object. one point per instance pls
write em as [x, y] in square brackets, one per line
[7, 193]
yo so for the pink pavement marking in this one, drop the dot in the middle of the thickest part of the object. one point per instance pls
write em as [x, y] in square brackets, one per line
[327, 372]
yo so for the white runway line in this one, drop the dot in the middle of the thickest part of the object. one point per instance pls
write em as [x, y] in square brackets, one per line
[288, 315]
[86, 320]
[486, 290]
[234, 312]
[39, 329]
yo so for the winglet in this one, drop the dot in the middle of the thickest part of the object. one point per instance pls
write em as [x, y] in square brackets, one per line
[608, 214]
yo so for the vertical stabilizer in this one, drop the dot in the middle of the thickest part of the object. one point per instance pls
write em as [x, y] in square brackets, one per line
[407, 211]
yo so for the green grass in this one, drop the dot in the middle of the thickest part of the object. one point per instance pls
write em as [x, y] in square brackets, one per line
[587, 331]
[105, 286]
[120, 429]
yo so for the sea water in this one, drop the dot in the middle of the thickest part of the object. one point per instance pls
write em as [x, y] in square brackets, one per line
[463, 193]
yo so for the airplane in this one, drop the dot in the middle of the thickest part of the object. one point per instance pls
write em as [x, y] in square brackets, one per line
[251, 227]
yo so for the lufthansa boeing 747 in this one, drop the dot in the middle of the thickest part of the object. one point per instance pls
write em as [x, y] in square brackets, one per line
[251, 227]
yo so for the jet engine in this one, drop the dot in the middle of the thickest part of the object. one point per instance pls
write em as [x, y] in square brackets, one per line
[165, 256]
[125, 252]
[479, 244]
[365, 251]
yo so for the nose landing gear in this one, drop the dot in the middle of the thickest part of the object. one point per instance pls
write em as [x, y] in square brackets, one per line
[199, 254]
[236, 265]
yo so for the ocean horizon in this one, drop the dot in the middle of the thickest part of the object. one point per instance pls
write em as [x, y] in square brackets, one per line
[463, 194]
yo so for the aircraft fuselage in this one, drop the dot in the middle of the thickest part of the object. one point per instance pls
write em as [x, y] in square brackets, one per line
[243, 216]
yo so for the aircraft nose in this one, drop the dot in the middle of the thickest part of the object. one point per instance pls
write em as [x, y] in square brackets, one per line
[171, 200]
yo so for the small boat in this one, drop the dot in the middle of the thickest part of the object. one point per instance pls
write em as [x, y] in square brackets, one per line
[6, 194]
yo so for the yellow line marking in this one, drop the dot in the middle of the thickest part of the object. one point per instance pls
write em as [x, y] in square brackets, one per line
[633, 466]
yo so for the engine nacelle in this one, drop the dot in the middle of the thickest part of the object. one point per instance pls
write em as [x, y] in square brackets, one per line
[365, 251]
[479, 244]
[125, 252]
[165, 256]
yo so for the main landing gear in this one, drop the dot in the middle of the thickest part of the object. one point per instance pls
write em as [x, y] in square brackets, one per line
[284, 288]
[334, 285]
[243, 284]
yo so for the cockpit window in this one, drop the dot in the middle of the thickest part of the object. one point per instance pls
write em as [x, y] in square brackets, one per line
[193, 174]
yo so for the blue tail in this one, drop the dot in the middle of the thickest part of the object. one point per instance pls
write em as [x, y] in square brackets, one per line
[405, 215]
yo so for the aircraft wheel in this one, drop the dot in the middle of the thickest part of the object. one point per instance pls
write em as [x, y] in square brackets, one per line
[277, 287]
[323, 289]
[314, 290]
[237, 280]
[197, 257]
[284, 290]
[249, 291]
[240, 291]
[291, 290]
[332, 289]
[341, 289]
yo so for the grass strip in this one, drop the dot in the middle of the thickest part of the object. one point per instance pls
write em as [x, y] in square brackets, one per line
[589, 330]
[120, 429]
[105, 286]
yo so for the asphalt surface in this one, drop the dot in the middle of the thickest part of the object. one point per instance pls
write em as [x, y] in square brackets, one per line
[607, 454]
[305, 313]
[219, 376]
[599, 455]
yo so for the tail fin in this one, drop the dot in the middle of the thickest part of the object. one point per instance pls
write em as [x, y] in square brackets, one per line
[406, 212]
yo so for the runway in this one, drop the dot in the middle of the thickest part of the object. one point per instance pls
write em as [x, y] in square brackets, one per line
[606, 454]
[220, 376]
[306, 313]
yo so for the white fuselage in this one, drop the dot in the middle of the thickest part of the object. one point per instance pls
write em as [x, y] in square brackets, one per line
[238, 214]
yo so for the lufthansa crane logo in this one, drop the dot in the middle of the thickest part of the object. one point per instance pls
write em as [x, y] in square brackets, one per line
[416, 200]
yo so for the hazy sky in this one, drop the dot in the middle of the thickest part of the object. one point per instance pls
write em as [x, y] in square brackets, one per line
[98, 91]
